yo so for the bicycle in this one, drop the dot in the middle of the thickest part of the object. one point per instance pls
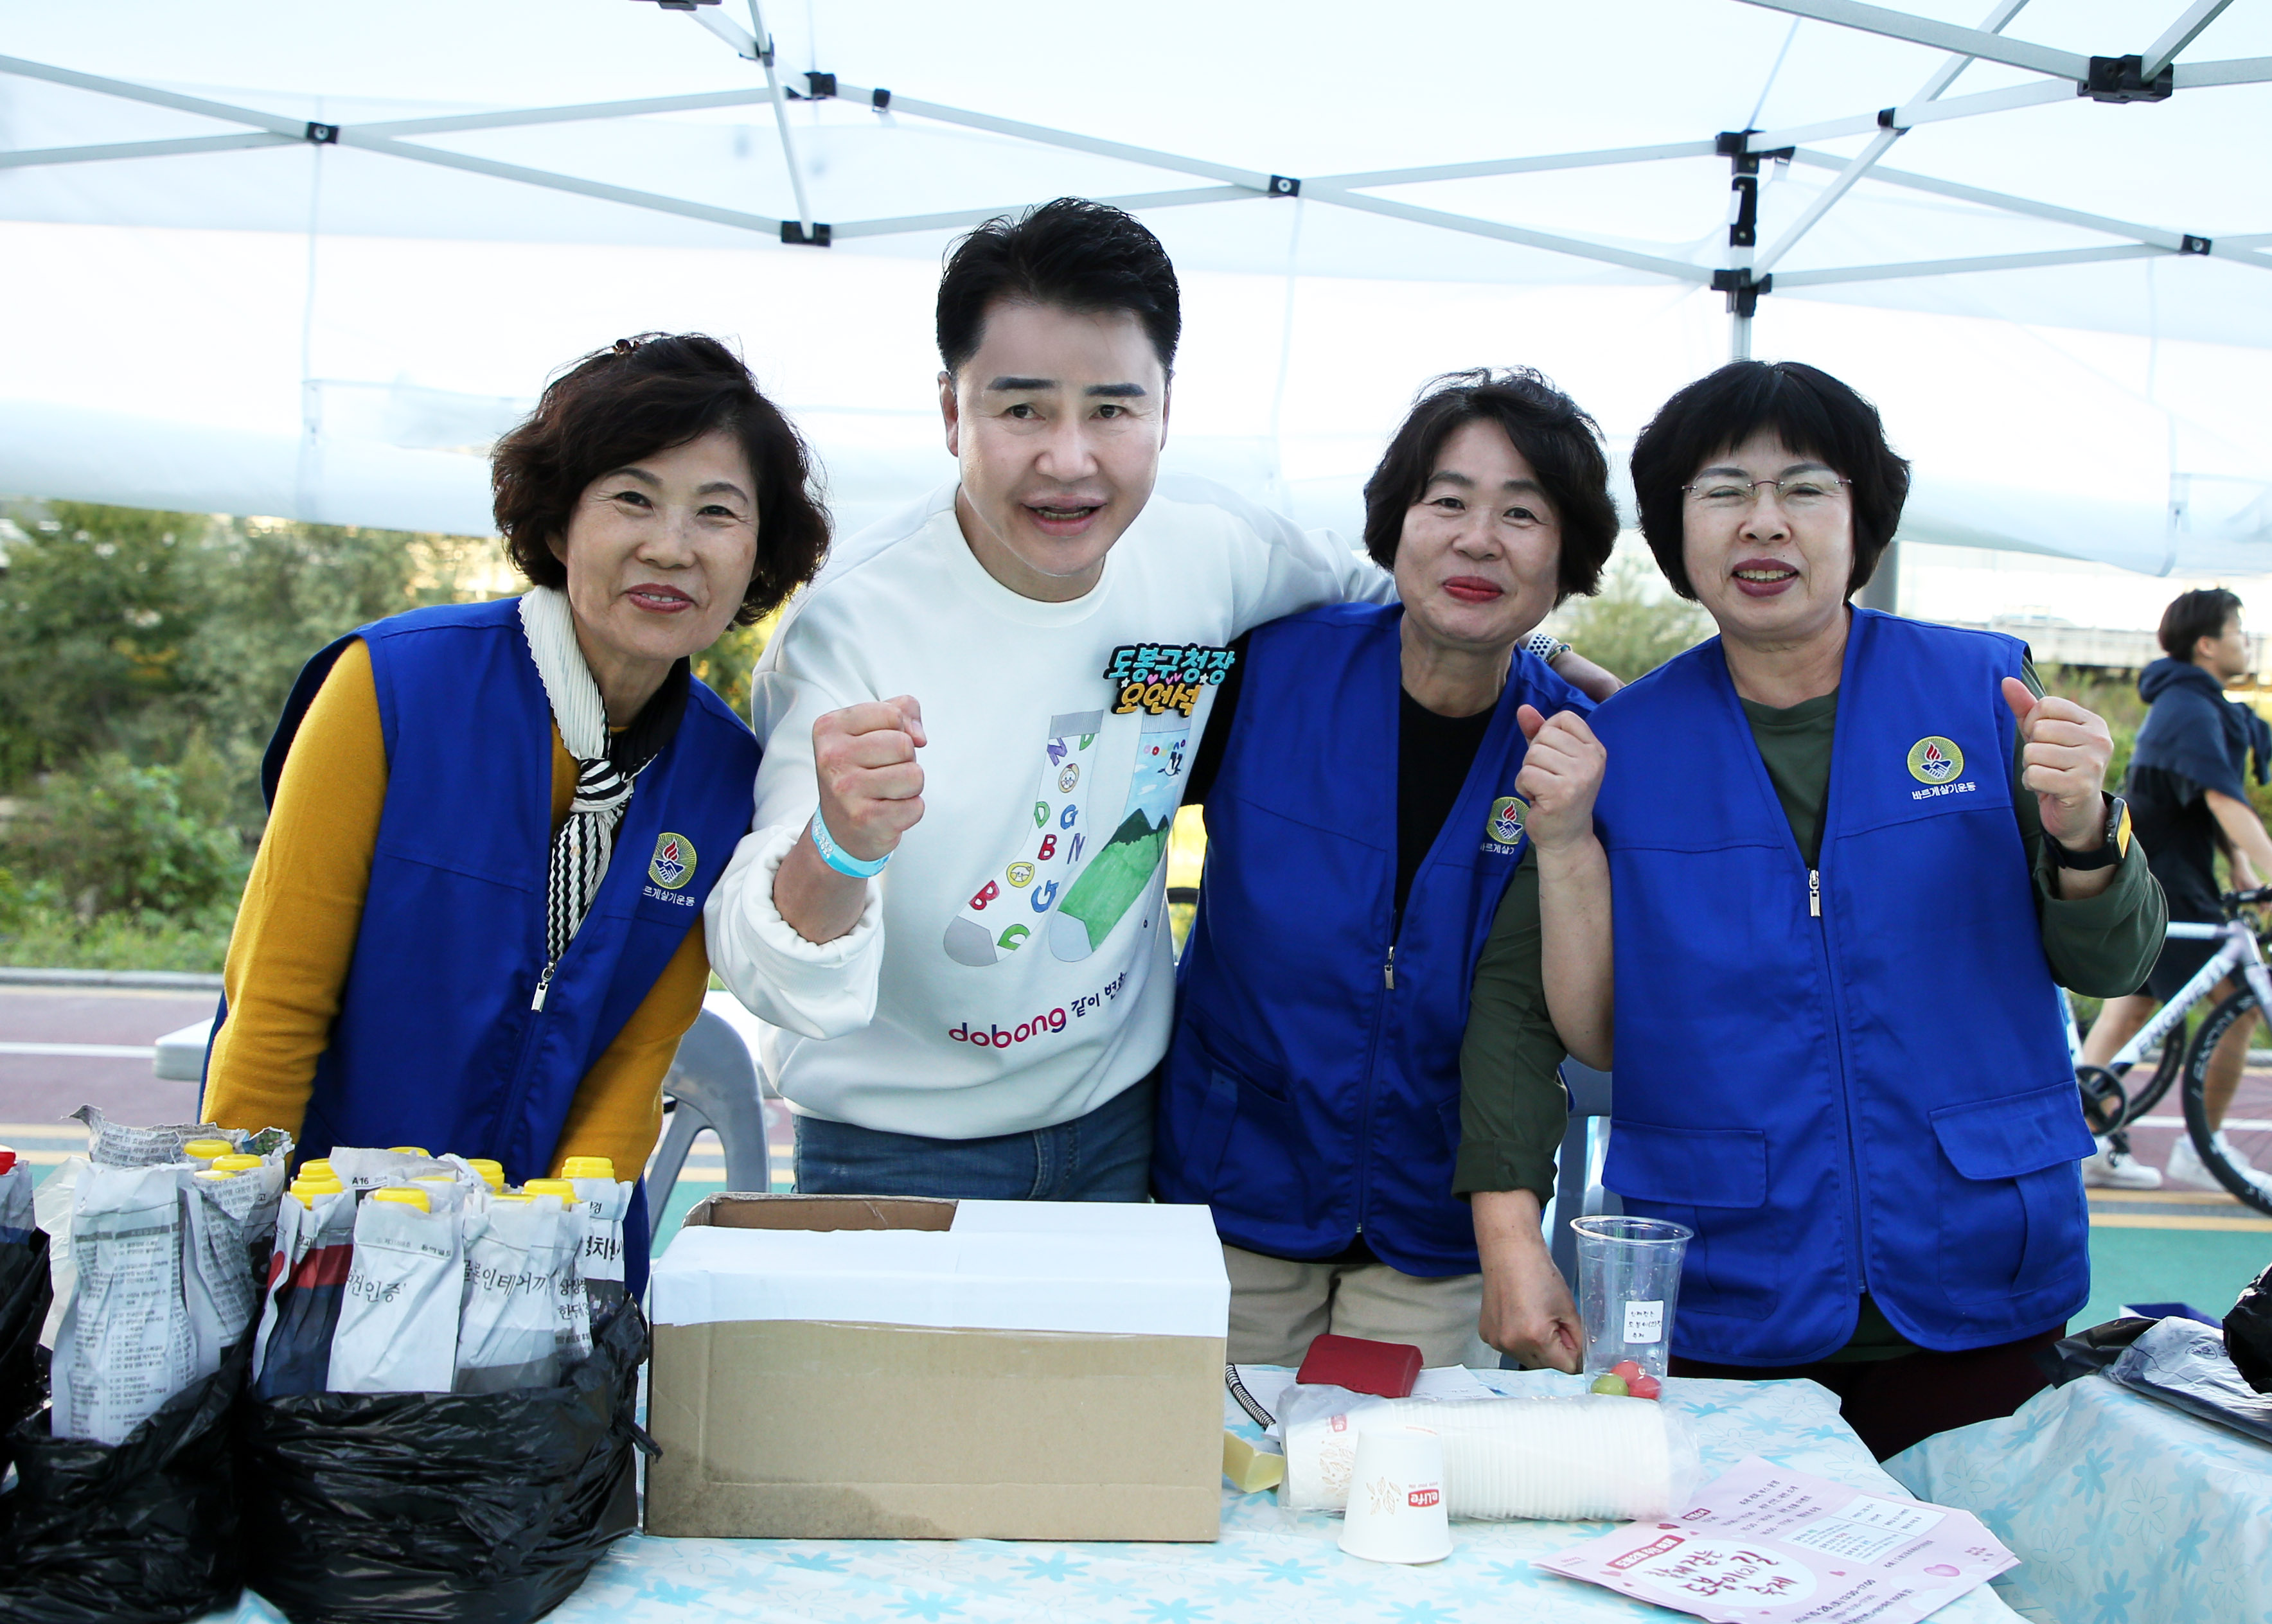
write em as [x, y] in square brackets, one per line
[2111, 1109]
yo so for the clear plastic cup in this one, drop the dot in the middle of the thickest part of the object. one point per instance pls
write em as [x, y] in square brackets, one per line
[1628, 1285]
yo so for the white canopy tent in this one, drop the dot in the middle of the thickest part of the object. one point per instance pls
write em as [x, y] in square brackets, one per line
[307, 262]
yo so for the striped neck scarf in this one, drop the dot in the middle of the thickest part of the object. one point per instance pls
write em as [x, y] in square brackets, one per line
[606, 766]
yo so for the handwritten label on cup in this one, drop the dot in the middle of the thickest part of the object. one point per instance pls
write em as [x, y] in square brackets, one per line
[1644, 1322]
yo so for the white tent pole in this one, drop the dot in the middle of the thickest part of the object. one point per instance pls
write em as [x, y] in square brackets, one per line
[765, 43]
[273, 123]
[2181, 33]
[1947, 36]
[515, 117]
[34, 156]
[1252, 179]
[1366, 178]
[351, 136]
[1943, 77]
[2232, 71]
[1961, 267]
[2035, 94]
[1679, 270]
[956, 219]
[2174, 241]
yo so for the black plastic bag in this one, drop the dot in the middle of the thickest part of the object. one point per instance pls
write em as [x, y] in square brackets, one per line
[448, 1507]
[2185, 1365]
[2248, 1334]
[141, 1532]
[2090, 1351]
[26, 1293]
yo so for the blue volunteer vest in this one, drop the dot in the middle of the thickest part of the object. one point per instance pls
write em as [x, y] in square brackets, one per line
[1871, 1092]
[1305, 1099]
[435, 1043]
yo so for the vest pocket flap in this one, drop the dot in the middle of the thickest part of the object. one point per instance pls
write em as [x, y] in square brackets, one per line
[1690, 1166]
[2017, 1135]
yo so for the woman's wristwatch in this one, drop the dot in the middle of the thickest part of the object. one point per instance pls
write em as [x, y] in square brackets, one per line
[1546, 645]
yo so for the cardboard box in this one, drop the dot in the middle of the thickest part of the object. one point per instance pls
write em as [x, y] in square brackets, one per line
[831, 1367]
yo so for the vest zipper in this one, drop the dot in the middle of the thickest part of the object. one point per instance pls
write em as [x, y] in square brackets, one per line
[1388, 970]
[1814, 904]
[543, 985]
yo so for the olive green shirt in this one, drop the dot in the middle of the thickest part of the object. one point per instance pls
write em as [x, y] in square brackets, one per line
[1513, 1110]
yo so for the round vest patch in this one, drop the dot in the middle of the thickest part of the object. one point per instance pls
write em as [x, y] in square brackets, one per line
[673, 862]
[1505, 825]
[1935, 760]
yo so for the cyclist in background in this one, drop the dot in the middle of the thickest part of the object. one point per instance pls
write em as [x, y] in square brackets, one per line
[2188, 796]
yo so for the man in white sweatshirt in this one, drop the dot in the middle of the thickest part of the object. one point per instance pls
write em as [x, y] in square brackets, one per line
[997, 692]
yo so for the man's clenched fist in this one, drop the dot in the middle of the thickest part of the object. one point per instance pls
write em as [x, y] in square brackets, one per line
[864, 758]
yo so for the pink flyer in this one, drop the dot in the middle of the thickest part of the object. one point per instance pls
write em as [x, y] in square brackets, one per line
[1765, 1545]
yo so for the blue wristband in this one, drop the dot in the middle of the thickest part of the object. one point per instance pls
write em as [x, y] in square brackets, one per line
[837, 858]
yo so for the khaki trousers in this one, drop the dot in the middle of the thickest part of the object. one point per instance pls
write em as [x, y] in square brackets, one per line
[1278, 1308]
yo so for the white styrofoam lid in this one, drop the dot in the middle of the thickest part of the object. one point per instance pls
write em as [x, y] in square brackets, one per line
[1095, 1267]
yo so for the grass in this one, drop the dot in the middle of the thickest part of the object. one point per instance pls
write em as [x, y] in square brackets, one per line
[55, 938]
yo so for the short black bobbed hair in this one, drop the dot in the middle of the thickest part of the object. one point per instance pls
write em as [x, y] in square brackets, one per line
[1079, 256]
[1560, 442]
[1811, 412]
[643, 395]
[2192, 617]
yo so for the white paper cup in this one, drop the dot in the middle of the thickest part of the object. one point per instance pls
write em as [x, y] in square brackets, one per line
[1396, 1498]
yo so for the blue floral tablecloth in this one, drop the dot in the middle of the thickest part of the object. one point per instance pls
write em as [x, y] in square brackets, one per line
[2121, 1511]
[1269, 1565]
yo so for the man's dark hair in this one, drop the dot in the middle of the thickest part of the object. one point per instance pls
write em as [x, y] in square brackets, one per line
[653, 394]
[1811, 412]
[1088, 257]
[2192, 617]
[1562, 444]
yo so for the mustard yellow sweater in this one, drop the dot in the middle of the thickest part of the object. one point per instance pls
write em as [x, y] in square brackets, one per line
[295, 934]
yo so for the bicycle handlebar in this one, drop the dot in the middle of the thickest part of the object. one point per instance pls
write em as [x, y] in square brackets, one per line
[2235, 900]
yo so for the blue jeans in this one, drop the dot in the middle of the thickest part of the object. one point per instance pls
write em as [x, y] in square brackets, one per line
[1104, 1156]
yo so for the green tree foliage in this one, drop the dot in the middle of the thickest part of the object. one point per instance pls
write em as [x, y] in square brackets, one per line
[112, 835]
[144, 633]
[1635, 624]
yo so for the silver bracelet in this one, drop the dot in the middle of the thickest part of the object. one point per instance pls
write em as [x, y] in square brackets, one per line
[1546, 645]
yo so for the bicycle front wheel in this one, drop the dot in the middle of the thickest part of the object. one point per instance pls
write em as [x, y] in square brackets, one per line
[2159, 1081]
[2246, 1132]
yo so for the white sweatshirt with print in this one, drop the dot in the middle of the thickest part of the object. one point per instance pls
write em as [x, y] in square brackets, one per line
[1014, 968]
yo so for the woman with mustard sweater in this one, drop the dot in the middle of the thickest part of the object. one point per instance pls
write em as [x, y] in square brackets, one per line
[474, 920]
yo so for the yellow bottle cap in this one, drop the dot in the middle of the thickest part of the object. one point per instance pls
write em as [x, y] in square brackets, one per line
[588, 1167]
[206, 1150]
[306, 1198]
[317, 1186]
[321, 1165]
[436, 1178]
[404, 1195]
[492, 1172]
[405, 1150]
[236, 1163]
[514, 1198]
[550, 1186]
[215, 1172]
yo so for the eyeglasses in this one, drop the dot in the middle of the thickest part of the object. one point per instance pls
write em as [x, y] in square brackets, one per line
[1798, 493]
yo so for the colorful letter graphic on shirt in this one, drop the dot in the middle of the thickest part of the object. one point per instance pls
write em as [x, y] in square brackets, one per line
[1122, 867]
[1013, 898]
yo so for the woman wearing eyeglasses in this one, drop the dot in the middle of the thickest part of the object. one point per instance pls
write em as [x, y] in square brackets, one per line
[1813, 887]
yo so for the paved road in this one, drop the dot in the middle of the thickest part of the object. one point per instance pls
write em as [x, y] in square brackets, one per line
[39, 1088]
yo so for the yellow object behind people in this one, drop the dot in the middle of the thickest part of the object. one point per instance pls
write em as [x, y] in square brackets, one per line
[295, 935]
